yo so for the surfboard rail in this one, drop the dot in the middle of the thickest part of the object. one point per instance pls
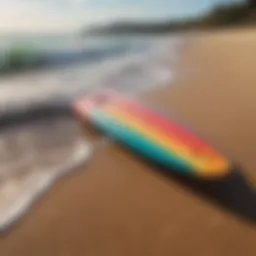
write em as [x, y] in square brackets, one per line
[148, 132]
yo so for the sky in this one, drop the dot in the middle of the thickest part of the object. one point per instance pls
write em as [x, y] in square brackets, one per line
[71, 15]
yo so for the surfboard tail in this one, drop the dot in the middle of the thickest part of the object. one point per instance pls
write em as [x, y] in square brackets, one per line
[86, 127]
[90, 132]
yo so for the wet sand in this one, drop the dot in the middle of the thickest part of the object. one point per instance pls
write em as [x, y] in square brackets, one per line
[123, 206]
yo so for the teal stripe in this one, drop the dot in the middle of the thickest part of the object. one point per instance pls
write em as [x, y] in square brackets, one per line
[138, 142]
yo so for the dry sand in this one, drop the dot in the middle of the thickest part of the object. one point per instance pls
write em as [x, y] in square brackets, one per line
[121, 206]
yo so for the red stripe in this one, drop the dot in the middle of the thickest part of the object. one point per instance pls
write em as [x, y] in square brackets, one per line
[169, 128]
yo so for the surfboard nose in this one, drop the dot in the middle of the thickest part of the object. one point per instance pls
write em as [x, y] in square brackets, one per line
[217, 170]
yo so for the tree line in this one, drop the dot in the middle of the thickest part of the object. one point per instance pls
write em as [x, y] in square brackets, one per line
[236, 14]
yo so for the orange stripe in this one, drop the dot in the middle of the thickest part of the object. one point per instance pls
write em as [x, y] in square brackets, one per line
[170, 128]
[142, 114]
[161, 139]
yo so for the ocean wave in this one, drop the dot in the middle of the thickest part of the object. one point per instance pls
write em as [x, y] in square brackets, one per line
[20, 58]
[35, 116]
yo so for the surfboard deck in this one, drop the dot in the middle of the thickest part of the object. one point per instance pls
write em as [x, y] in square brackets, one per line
[151, 134]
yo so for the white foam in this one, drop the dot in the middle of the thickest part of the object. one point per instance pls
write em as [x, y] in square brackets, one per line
[17, 194]
[135, 71]
[132, 74]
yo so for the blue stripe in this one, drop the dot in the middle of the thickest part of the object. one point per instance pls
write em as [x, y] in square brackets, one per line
[138, 143]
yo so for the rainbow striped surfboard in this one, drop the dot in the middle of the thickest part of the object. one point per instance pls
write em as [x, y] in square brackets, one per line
[151, 134]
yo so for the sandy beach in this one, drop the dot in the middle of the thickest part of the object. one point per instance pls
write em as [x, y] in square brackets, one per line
[120, 206]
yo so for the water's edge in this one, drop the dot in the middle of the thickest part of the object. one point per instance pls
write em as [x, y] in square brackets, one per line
[38, 120]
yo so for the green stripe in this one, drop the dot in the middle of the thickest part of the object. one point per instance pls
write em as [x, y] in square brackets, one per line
[137, 142]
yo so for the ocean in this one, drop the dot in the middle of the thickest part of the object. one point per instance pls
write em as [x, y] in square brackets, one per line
[40, 141]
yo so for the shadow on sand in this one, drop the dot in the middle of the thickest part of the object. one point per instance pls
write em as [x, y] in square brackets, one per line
[234, 192]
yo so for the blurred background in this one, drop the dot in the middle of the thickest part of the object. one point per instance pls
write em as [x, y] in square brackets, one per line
[52, 51]
[37, 35]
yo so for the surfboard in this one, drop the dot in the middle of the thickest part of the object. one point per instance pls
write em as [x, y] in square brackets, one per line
[150, 133]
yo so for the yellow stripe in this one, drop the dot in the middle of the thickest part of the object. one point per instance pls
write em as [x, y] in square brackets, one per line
[166, 142]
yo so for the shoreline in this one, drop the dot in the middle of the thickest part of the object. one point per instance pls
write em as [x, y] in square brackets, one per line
[122, 206]
[32, 139]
